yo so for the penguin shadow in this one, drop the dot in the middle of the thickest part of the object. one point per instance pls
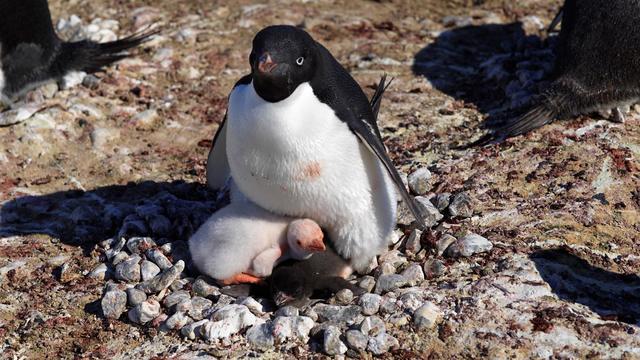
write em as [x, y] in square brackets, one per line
[495, 67]
[165, 211]
[611, 295]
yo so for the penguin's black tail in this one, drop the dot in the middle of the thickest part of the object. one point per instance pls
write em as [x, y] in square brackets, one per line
[376, 98]
[536, 117]
[90, 56]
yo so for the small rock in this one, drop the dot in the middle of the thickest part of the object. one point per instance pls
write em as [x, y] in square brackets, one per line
[390, 282]
[295, 328]
[372, 326]
[177, 321]
[382, 343]
[144, 312]
[199, 307]
[344, 296]
[460, 206]
[384, 269]
[102, 136]
[261, 336]
[367, 283]
[252, 304]
[287, 311]
[146, 119]
[99, 272]
[332, 344]
[138, 245]
[419, 181]
[393, 257]
[229, 320]
[388, 305]
[190, 330]
[159, 258]
[90, 82]
[114, 303]
[444, 242]
[412, 243]
[344, 314]
[179, 283]
[372, 266]
[433, 268]
[163, 280]
[129, 270]
[412, 300]
[148, 270]
[175, 298]
[427, 316]
[430, 214]
[356, 340]
[115, 248]
[441, 201]
[119, 257]
[469, 245]
[203, 287]
[413, 274]
[159, 320]
[370, 303]
[135, 296]
[399, 320]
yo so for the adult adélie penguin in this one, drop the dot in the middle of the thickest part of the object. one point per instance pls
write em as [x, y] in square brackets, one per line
[300, 139]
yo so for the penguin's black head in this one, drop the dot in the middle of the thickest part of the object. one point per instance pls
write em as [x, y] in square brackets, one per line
[282, 58]
[288, 287]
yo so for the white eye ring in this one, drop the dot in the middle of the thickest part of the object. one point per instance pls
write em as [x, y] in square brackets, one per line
[300, 61]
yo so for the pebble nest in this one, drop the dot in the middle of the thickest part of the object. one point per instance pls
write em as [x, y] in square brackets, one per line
[151, 282]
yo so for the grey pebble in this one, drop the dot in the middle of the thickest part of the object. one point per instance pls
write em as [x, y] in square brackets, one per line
[433, 268]
[135, 296]
[443, 243]
[372, 326]
[412, 243]
[177, 321]
[469, 245]
[413, 274]
[430, 214]
[370, 303]
[180, 283]
[389, 282]
[332, 344]
[148, 270]
[90, 82]
[144, 312]
[159, 258]
[138, 245]
[441, 201]
[367, 282]
[460, 206]
[356, 340]
[203, 286]
[344, 314]
[129, 270]
[427, 316]
[261, 336]
[163, 280]
[199, 307]
[382, 343]
[419, 181]
[99, 272]
[119, 257]
[292, 328]
[386, 268]
[175, 298]
[114, 303]
[191, 330]
[344, 296]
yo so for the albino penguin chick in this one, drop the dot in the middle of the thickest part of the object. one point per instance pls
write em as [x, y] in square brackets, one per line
[241, 243]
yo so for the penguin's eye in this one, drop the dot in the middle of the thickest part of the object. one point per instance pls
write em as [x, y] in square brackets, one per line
[300, 61]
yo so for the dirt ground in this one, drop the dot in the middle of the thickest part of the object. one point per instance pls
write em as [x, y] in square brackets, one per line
[572, 185]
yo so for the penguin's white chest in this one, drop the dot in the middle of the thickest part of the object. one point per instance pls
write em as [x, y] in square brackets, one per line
[296, 157]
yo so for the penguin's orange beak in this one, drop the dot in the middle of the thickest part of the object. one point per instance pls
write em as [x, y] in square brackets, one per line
[266, 64]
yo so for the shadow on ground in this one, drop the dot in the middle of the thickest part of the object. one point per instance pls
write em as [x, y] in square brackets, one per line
[496, 67]
[611, 295]
[161, 210]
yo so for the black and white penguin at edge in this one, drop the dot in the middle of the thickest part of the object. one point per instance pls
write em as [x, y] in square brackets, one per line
[300, 139]
[31, 53]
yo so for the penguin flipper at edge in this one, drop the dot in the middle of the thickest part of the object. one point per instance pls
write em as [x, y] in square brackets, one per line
[217, 163]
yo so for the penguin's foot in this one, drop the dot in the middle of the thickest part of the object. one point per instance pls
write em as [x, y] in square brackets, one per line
[242, 278]
[307, 234]
[617, 116]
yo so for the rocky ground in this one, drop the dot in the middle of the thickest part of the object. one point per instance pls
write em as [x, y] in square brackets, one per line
[542, 231]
